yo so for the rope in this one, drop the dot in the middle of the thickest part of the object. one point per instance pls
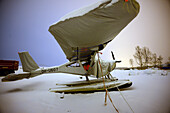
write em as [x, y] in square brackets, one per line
[125, 99]
[107, 93]
[112, 102]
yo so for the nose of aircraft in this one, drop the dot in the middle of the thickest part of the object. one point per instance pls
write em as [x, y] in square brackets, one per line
[112, 65]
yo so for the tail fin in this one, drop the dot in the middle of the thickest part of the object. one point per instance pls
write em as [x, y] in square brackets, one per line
[28, 64]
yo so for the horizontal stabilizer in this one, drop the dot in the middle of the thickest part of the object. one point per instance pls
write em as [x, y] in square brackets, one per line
[14, 77]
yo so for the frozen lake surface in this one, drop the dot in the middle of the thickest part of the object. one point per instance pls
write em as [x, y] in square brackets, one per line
[149, 93]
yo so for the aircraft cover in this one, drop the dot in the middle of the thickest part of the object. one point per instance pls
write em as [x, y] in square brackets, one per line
[89, 31]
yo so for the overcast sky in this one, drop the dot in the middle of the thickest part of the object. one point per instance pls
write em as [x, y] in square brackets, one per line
[24, 27]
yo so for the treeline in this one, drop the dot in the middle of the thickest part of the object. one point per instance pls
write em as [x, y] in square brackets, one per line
[145, 58]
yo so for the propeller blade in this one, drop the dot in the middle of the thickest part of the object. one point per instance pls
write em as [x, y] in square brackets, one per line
[118, 61]
[113, 55]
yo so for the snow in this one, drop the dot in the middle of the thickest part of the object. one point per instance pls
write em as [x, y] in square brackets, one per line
[149, 93]
[86, 9]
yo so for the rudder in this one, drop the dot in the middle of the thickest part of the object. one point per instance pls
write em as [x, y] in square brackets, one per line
[28, 64]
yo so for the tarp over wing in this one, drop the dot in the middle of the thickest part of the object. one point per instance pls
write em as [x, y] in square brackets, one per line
[82, 35]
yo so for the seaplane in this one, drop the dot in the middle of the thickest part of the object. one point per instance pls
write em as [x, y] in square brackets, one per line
[82, 34]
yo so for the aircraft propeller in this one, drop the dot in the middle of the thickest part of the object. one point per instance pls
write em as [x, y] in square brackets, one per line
[114, 57]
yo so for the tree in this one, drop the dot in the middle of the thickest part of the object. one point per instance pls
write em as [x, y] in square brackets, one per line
[154, 59]
[168, 63]
[144, 57]
[138, 56]
[159, 60]
[147, 56]
[131, 62]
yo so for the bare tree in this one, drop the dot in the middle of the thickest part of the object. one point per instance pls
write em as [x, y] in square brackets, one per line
[168, 62]
[138, 56]
[131, 62]
[147, 56]
[144, 57]
[154, 59]
[159, 60]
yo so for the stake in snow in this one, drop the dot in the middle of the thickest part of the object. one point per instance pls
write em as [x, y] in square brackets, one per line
[81, 35]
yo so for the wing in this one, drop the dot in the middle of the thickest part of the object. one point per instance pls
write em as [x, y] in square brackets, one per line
[82, 35]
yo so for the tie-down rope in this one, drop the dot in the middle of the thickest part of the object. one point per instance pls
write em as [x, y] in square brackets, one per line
[107, 93]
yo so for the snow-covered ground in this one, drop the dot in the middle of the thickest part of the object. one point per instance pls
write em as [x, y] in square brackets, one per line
[150, 93]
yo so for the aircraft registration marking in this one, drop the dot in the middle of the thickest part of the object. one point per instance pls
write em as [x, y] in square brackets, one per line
[49, 70]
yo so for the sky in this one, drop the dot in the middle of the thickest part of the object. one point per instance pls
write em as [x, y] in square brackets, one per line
[24, 27]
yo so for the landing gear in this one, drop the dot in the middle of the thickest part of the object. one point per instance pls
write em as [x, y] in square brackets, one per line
[109, 76]
[87, 78]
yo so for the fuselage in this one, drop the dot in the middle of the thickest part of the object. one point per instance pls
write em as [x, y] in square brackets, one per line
[97, 69]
